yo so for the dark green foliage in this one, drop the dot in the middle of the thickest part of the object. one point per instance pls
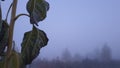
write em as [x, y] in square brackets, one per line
[3, 34]
[37, 10]
[1, 63]
[0, 19]
[3, 37]
[15, 60]
[32, 42]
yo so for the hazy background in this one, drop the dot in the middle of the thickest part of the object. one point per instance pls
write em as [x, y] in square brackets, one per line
[79, 25]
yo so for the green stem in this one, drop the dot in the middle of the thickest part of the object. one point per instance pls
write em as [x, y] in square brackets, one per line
[8, 11]
[21, 15]
[11, 29]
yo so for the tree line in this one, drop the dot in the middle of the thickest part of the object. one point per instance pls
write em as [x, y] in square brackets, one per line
[102, 60]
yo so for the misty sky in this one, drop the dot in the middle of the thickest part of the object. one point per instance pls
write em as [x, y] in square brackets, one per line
[79, 25]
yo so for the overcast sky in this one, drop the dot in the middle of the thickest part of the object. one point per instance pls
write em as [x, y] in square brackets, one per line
[79, 25]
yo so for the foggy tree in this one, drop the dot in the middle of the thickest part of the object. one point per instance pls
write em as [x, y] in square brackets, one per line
[66, 55]
[106, 53]
[97, 54]
[77, 57]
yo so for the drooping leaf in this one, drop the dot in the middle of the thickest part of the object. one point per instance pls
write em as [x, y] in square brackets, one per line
[37, 10]
[1, 64]
[0, 19]
[3, 37]
[15, 60]
[33, 41]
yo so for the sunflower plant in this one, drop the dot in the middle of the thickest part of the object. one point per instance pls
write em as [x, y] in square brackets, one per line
[33, 40]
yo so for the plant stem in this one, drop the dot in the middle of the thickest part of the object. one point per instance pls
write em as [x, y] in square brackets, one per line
[11, 29]
[8, 11]
[21, 15]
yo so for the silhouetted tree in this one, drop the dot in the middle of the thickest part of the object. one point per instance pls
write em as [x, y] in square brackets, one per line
[97, 54]
[106, 53]
[77, 57]
[66, 55]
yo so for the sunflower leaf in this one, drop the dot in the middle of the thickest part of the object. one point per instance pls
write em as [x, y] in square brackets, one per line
[33, 41]
[37, 10]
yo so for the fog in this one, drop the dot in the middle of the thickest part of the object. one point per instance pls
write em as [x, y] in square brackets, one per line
[82, 26]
